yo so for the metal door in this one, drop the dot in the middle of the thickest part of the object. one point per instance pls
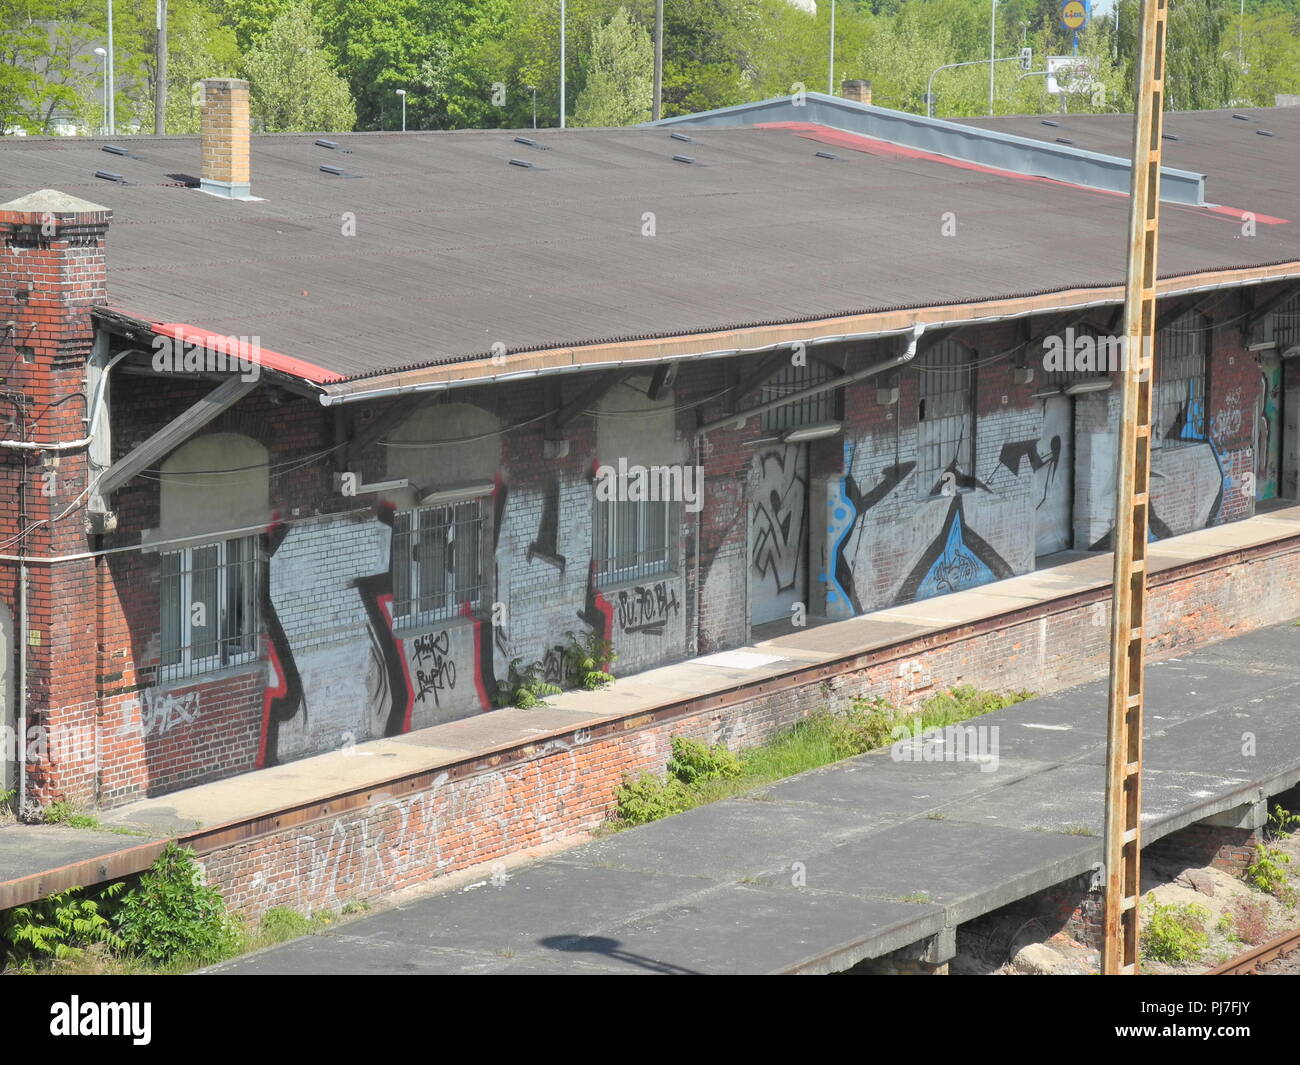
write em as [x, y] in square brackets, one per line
[778, 532]
[1054, 478]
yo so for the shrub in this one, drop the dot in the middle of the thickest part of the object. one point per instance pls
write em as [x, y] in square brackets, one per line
[1268, 872]
[525, 687]
[60, 926]
[585, 659]
[694, 763]
[649, 798]
[1173, 933]
[173, 914]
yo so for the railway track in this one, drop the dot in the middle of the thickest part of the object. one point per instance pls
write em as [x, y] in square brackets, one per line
[1248, 964]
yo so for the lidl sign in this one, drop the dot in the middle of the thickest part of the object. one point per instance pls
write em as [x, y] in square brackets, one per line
[1074, 14]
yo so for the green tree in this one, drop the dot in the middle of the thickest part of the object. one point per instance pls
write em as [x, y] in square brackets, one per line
[433, 51]
[198, 46]
[47, 66]
[1201, 68]
[1270, 44]
[619, 85]
[292, 83]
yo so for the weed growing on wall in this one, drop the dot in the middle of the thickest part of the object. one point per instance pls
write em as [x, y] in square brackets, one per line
[585, 659]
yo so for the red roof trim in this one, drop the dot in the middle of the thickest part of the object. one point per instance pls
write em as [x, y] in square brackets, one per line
[861, 143]
[272, 360]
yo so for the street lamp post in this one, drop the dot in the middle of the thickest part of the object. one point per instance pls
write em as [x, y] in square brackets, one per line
[103, 59]
[112, 118]
[1026, 54]
[993, 38]
[830, 76]
[562, 44]
[402, 94]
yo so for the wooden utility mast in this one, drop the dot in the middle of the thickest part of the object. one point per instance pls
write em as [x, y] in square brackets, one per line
[1128, 604]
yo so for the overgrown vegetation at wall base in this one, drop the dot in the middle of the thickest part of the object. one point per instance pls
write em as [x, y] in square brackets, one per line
[60, 926]
[171, 921]
[175, 914]
[698, 774]
[584, 661]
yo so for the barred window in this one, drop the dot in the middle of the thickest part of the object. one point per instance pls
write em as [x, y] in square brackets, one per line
[209, 607]
[811, 410]
[438, 562]
[1181, 380]
[630, 539]
[945, 427]
[1286, 324]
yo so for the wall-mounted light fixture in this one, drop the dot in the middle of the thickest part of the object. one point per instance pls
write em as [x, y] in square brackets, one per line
[1093, 384]
[803, 433]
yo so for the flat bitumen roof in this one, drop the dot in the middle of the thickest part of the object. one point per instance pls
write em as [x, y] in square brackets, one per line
[432, 248]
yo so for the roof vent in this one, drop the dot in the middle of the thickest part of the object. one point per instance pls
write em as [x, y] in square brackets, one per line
[1263, 133]
[522, 162]
[680, 137]
[826, 155]
[683, 158]
[337, 171]
[1063, 140]
[332, 146]
[1242, 118]
[108, 175]
[533, 144]
[117, 149]
[1169, 136]
[1049, 122]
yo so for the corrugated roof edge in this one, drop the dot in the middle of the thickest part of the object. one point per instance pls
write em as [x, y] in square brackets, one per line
[1002, 151]
[1281, 270]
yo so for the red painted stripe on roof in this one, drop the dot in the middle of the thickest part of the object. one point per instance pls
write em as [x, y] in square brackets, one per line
[272, 360]
[1239, 214]
[859, 142]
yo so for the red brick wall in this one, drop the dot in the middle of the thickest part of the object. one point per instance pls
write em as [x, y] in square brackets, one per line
[52, 273]
[480, 812]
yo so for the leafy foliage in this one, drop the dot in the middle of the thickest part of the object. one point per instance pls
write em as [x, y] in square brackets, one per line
[650, 798]
[480, 63]
[525, 686]
[697, 774]
[694, 763]
[586, 659]
[619, 89]
[292, 83]
[60, 926]
[1173, 933]
[1268, 872]
[173, 914]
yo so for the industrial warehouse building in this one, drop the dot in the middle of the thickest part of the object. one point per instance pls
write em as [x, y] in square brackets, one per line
[310, 443]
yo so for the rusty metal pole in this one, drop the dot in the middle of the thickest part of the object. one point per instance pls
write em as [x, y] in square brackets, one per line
[1128, 603]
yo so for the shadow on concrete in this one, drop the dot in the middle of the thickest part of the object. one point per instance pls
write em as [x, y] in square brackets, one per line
[609, 948]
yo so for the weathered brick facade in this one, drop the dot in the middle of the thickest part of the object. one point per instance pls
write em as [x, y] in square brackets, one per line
[838, 524]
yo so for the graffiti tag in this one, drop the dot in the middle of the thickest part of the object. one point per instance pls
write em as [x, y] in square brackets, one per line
[647, 608]
[434, 669]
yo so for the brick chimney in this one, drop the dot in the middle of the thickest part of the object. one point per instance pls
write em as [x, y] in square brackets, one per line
[858, 91]
[224, 138]
[53, 273]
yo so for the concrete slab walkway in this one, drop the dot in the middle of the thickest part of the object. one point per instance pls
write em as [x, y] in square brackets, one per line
[849, 862]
